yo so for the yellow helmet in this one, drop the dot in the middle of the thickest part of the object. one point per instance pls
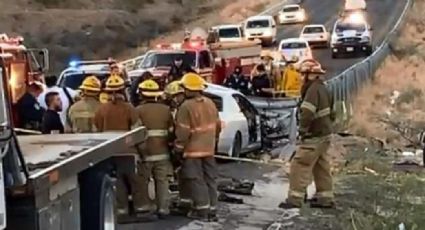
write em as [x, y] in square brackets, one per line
[91, 83]
[174, 88]
[150, 88]
[114, 83]
[193, 82]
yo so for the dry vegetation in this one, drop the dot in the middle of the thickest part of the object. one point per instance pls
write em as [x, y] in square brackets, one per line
[97, 29]
[397, 93]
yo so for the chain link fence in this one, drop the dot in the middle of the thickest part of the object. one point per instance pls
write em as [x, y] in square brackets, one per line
[345, 86]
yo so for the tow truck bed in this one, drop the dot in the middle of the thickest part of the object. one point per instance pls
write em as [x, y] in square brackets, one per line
[71, 153]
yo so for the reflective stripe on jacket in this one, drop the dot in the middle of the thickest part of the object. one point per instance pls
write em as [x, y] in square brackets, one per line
[197, 127]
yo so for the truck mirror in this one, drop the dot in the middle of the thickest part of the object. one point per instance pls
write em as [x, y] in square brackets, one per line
[40, 59]
[44, 56]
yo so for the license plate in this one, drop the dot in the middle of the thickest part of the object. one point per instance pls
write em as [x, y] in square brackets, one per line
[350, 49]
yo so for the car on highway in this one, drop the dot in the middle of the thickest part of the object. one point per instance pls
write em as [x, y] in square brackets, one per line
[295, 47]
[292, 14]
[316, 35]
[351, 35]
[261, 27]
[229, 33]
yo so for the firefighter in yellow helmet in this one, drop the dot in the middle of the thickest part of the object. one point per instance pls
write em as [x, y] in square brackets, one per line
[81, 114]
[117, 115]
[197, 129]
[312, 157]
[174, 94]
[155, 154]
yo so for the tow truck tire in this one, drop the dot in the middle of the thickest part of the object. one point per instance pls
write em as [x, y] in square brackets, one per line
[237, 145]
[97, 198]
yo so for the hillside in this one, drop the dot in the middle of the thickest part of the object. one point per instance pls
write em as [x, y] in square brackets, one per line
[97, 29]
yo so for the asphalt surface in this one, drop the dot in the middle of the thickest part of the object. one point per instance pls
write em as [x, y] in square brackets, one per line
[382, 15]
[260, 210]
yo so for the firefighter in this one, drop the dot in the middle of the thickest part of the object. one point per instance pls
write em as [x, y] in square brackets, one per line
[237, 81]
[155, 154]
[81, 114]
[312, 158]
[197, 129]
[174, 95]
[117, 115]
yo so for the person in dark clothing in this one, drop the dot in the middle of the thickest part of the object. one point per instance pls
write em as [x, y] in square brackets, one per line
[30, 113]
[260, 82]
[178, 69]
[52, 123]
[134, 88]
[237, 81]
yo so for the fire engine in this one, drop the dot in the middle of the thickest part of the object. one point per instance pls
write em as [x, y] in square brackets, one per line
[212, 61]
[23, 65]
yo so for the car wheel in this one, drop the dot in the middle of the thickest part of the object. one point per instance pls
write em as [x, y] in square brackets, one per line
[97, 196]
[237, 145]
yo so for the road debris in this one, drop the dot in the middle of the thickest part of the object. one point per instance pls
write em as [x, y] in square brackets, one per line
[223, 197]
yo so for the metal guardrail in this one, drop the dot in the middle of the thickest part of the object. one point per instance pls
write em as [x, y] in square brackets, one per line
[345, 85]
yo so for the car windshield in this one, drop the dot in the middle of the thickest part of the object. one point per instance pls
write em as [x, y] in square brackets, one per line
[166, 59]
[340, 27]
[291, 9]
[257, 24]
[74, 80]
[313, 30]
[229, 33]
[294, 45]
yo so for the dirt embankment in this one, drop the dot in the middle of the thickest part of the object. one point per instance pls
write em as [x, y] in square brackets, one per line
[396, 98]
[97, 29]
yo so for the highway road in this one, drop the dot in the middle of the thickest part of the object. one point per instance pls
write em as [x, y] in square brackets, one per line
[261, 209]
[382, 14]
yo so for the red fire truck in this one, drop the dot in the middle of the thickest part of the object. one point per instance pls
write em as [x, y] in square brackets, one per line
[212, 61]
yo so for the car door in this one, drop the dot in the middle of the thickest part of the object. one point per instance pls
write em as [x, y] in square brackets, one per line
[253, 118]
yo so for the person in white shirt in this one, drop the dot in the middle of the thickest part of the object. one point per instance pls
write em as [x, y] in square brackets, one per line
[67, 96]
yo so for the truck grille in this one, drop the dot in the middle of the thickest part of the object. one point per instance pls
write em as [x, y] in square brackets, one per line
[257, 34]
[349, 40]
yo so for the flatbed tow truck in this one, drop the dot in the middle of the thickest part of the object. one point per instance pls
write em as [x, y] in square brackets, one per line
[61, 181]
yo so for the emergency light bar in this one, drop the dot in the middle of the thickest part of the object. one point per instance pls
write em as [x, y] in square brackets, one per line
[96, 62]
